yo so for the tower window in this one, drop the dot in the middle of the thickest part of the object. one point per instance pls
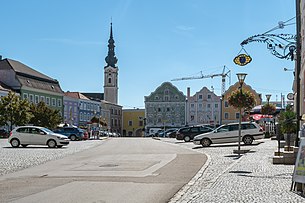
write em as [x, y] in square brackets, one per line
[109, 80]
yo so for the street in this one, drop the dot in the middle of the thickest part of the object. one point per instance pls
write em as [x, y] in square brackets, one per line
[112, 170]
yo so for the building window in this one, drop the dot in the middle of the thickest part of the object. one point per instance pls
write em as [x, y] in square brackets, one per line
[200, 106]
[48, 101]
[25, 95]
[42, 98]
[237, 115]
[216, 105]
[226, 115]
[109, 80]
[192, 105]
[31, 97]
[167, 109]
[36, 99]
[200, 97]
[166, 92]
[59, 102]
[166, 98]
[140, 123]
[159, 109]
[226, 104]
[209, 106]
[209, 96]
[129, 123]
[53, 102]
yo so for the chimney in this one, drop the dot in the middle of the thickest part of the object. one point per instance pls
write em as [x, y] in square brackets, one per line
[188, 92]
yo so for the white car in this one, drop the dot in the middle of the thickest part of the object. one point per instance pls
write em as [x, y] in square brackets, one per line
[229, 133]
[35, 135]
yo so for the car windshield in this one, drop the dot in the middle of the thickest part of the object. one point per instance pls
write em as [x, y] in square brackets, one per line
[47, 130]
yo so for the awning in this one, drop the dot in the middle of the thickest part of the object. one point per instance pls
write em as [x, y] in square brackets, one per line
[260, 116]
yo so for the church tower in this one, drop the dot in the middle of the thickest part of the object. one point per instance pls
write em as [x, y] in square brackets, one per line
[111, 73]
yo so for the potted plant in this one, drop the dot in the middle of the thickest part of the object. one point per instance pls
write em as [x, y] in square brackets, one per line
[288, 125]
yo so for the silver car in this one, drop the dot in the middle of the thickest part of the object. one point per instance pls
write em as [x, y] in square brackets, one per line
[230, 133]
[35, 135]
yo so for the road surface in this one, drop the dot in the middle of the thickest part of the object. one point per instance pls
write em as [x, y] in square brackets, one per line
[116, 170]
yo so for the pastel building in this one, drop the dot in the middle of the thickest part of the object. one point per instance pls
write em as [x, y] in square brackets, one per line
[133, 122]
[165, 107]
[203, 107]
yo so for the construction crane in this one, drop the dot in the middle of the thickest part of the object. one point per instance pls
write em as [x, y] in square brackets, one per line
[224, 74]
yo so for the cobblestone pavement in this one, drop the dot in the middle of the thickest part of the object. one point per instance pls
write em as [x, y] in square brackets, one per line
[15, 159]
[251, 178]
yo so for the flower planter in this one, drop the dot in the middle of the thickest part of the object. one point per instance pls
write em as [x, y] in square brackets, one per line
[290, 139]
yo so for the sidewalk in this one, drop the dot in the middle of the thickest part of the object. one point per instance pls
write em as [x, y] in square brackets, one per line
[251, 178]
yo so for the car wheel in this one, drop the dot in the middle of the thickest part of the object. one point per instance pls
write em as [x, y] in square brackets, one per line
[73, 137]
[24, 145]
[205, 142]
[59, 146]
[248, 140]
[15, 143]
[187, 138]
[51, 143]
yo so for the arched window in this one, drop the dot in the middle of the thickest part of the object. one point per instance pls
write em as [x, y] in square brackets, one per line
[109, 80]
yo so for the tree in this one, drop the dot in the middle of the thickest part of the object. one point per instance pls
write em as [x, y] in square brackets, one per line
[45, 116]
[14, 111]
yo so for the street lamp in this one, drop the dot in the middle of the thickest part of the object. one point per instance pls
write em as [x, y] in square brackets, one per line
[268, 96]
[241, 78]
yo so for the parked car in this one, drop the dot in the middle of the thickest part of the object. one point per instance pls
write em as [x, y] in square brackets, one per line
[162, 133]
[229, 133]
[4, 133]
[172, 134]
[188, 133]
[35, 135]
[73, 133]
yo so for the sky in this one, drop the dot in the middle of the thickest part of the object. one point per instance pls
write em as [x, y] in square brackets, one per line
[156, 41]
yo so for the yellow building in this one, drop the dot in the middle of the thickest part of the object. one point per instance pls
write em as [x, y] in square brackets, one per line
[133, 122]
[230, 114]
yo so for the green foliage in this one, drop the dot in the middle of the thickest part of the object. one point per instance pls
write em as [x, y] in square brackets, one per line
[95, 119]
[242, 100]
[13, 110]
[268, 109]
[45, 116]
[287, 121]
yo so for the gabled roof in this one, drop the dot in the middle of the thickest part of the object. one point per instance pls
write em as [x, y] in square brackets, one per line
[94, 96]
[76, 95]
[22, 69]
[28, 77]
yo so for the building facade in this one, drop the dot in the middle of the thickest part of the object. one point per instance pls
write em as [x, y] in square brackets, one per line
[133, 122]
[31, 84]
[71, 110]
[229, 113]
[203, 108]
[165, 108]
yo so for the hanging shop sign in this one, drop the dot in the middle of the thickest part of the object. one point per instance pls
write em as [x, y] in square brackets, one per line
[242, 59]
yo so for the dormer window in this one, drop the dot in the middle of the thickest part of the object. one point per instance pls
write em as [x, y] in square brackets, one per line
[27, 81]
[52, 86]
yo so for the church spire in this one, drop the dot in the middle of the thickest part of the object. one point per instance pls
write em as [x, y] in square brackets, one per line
[111, 59]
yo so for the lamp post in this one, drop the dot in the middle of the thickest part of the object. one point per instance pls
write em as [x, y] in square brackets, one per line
[268, 96]
[241, 78]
